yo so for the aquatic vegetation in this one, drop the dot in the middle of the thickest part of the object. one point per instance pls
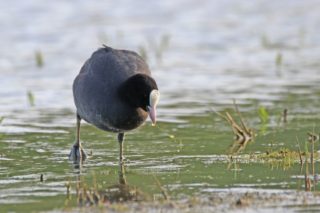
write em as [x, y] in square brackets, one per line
[285, 115]
[264, 118]
[143, 52]
[162, 46]
[31, 98]
[313, 137]
[218, 200]
[279, 60]
[243, 134]
[103, 38]
[39, 58]
[282, 158]
[263, 114]
[159, 47]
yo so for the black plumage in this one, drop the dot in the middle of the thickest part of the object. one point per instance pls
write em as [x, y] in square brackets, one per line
[113, 91]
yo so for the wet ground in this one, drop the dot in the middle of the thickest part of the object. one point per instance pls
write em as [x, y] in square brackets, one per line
[263, 55]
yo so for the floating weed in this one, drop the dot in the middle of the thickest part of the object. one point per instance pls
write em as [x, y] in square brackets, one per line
[1, 119]
[39, 58]
[295, 156]
[31, 98]
[283, 158]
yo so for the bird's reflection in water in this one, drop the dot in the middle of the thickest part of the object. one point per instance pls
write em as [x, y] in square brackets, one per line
[118, 192]
[122, 191]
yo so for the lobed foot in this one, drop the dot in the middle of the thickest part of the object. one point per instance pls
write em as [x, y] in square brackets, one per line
[77, 154]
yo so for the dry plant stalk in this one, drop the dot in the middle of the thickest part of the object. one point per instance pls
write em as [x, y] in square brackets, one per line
[243, 134]
[312, 138]
[300, 155]
[162, 189]
[307, 182]
[285, 115]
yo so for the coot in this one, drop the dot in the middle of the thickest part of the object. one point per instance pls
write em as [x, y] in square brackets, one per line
[115, 92]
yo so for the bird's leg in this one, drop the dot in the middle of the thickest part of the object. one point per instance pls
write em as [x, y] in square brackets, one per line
[120, 140]
[77, 153]
[122, 175]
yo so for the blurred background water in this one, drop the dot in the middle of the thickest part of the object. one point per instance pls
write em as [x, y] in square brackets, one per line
[214, 51]
[203, 54]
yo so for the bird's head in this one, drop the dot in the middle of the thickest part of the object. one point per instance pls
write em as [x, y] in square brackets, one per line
[141, 90]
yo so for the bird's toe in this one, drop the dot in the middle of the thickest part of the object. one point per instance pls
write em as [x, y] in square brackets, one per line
[77, 154]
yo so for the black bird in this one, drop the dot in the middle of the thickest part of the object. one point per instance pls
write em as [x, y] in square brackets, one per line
[115, 92]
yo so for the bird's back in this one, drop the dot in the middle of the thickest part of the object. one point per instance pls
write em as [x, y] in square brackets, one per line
[114, 66]
[96, 87]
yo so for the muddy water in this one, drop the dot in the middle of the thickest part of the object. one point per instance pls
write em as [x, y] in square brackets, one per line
[203, 56]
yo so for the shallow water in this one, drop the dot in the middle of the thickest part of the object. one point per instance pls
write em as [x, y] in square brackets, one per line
[202, 55]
